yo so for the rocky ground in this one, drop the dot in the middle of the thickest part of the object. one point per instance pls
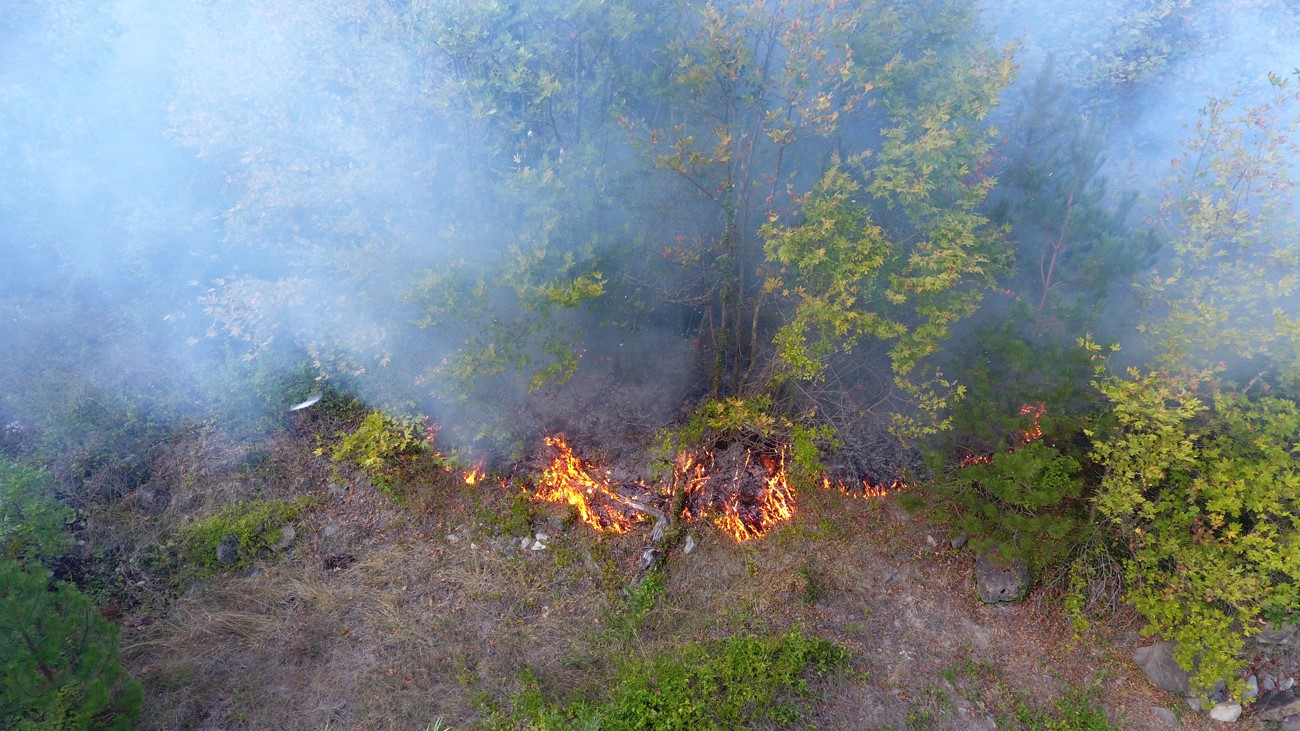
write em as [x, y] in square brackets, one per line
[379, 614]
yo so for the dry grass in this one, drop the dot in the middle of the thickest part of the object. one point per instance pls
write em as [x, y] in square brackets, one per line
[420, 627]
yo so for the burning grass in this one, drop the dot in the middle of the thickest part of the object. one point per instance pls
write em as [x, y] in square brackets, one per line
[743, 490]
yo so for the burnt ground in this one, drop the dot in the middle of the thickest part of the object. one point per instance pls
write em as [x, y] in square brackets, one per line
[436, 610]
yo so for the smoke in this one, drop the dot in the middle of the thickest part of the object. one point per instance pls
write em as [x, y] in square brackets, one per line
[199, 189]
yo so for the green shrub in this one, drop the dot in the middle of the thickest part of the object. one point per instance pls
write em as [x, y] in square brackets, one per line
[1205, 487]
[1025, 503]
[31, 518]
[735, 683]
[380, 446]
[255, 524]
[59, 667]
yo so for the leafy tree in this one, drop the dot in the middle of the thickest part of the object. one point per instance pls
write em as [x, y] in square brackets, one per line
[1227, 296]
[891, 243]
[1200, 473]
[59, 667]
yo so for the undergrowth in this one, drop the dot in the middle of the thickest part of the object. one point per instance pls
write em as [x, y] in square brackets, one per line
[727, 684]
[255, 524]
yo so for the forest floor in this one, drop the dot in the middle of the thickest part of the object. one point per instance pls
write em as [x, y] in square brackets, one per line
[426, 613]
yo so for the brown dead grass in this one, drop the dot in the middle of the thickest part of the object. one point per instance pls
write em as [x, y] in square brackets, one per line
[421, 628]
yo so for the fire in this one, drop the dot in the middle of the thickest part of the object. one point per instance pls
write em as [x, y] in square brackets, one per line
[570, 479]
[474, 475]
[1034, 431]
[869, 491]
[774, 506]
[747, 496]
[1031, 434]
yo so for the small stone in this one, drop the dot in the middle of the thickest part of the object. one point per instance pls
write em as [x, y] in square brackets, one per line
[1167, 716]
[1157, 661]
[337, 490]
[690, 544]
[287, 534]
[452, 538]
[537, 546]
[1286, 684]
[1252, 688]
[228, 550]
[1193, 703]
[1227, 712]
[930, 540]
[959, 540]
[541, 537]
[1267, 681]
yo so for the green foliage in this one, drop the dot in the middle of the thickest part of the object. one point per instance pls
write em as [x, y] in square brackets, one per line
[1143, 42]
[381, 445]
[1228, 294]
[1074, 244]
[99, 441]
[59, 667]
[736, 683]
[1075, 712]
[255, 524]
[1205, 484]
[1027, 503]
[31, 518]
[638, 601]
[806, 467]
[1004, 371]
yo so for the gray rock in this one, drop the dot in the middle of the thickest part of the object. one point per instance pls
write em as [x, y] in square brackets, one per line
[1267, 681]
[287, 534]
[1252, 688]
[1277, 706]
[228, 550]
[1283, 634]
[1169, 718]
[1157, 661]
[1227, 712]
[959, 540]
[1000, 583]
[1291, 723]
[690, 544]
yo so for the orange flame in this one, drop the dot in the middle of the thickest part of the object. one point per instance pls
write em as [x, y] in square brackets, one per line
[1031, 434]
[474, 476]
[732, 503]
[569, 479]
[775, 506]
[1035, 430]
[869, 491]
